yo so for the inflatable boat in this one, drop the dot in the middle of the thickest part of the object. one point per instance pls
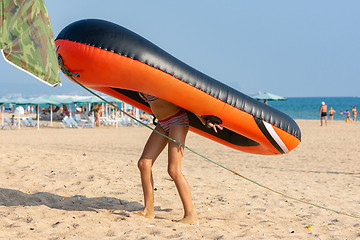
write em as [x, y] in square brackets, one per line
[114, 60]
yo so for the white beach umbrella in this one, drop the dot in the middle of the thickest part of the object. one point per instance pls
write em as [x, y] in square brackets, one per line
[19, 110]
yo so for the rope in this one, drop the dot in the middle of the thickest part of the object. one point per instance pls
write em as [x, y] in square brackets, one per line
[70, 75]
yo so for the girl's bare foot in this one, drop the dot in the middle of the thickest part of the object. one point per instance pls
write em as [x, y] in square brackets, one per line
[189, 220]
[147, 214]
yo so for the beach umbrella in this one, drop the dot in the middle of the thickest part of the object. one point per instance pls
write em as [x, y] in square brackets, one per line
[3, 101]
[18, 101]
[27, 41]
[94, 99]
[269, 97]
[88, 99]
[19, 110]
[112, 99]
[60, 99]
[85, 100]
[68, 100]
[43, 100]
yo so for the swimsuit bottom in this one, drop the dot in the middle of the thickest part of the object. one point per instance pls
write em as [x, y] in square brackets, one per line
[178, 119]
[149, 98]
[323, 114]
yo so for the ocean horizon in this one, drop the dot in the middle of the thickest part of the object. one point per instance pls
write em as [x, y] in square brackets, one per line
[309, 107]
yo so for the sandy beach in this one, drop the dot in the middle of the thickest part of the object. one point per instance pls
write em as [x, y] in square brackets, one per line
[84, 183]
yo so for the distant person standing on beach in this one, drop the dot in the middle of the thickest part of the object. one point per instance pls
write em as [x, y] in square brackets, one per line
[348, 118]
[354, 112]
[331, 113]
[323, 113]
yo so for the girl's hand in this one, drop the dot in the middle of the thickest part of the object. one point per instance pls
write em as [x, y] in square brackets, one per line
[210, 124]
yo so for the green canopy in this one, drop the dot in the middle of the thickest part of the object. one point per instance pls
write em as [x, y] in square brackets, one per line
[57, 100]
[87, 99]
[112, 99]
[42, 100]
[3, 101]
[60, 99]
[94, 99]
[18, 101]
[27, 40]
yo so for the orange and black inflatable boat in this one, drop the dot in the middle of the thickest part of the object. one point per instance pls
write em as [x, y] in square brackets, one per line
[116, 61]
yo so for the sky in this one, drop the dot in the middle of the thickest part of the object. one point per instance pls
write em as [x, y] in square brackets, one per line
[291, 48]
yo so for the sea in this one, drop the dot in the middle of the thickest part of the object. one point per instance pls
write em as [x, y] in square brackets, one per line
[308, 107]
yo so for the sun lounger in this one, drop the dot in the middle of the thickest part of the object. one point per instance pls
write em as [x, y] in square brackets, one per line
[91, 120]
[33, 123]
[66, 123]
[81, 122]
[4, 127]
[126, 121]
[7, 123]
[106, 121]
[26, 123]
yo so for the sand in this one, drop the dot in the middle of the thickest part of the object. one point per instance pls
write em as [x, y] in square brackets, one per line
[84, 183]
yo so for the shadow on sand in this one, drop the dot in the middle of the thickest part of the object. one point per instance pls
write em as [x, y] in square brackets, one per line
[10, 197]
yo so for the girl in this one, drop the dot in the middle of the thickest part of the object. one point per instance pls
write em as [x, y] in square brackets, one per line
[173, 122]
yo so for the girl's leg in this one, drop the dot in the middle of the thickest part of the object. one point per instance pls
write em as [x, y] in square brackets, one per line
[154, 146]
[174, 168]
